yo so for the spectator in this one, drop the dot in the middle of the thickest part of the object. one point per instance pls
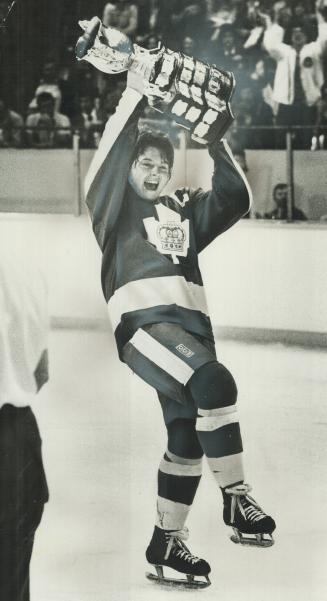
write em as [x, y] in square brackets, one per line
[188, 46]
[85, 80]
[110, 100]
[252, 111]
[163, 23]
[280, 212]
[261, 79]
[46, 124]
[299, 76]
[49, 84]
[8, 48]
[319, 140]
[11, 126]
[122, 15]
[151, 41]
[23, 372]
[221, 13]
[147, 17]
[247, 23]
[226, 52]
[88, 121]
[285, 20]
[189, 19]
[66, 84]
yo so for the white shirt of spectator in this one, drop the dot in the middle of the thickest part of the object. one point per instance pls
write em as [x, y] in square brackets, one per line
[311, 67]
[23, 327]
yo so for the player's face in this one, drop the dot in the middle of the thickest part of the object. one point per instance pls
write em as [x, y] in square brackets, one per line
[149, 174]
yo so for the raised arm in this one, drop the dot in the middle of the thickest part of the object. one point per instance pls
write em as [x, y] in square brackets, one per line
[320, 45]
[230, 198]
[107, 176]
[273, 39]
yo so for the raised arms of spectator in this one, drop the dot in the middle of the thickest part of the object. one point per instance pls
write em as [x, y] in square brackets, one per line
[273, 39]
[188, 11]
[320, 44]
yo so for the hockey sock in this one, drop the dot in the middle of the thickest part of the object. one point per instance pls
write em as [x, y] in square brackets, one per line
[179, 475]
[214, 390]
[220, 437]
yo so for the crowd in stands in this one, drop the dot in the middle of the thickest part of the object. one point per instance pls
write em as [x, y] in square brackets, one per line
[277, 51]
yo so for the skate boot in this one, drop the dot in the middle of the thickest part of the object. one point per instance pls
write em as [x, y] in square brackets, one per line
[168, 549]
[250, 524]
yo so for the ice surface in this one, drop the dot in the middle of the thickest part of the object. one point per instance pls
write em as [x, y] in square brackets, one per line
[102, 442]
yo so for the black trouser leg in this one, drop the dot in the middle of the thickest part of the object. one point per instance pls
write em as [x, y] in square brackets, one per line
[16, 545]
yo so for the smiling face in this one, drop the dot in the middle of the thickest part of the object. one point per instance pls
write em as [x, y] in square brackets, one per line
[149, 173]
[299, 38]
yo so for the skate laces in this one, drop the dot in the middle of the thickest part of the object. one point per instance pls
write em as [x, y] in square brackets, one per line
[247, 506]
[177, 547]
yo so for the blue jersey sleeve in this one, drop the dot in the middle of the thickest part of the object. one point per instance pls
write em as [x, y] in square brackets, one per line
[215, 211]
[107, 176]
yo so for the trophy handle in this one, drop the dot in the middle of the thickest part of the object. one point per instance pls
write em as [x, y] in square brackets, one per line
[105, 48]
[86, 41]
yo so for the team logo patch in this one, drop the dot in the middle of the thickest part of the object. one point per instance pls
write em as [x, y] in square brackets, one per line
[183, 350]
[169, 234]
[172, 238]
[308, 62]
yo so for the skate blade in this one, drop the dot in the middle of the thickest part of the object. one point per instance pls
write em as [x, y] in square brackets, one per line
[254, 540]
[187, 583]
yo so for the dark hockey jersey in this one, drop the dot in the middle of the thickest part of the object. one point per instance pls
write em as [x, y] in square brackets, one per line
[150, 270]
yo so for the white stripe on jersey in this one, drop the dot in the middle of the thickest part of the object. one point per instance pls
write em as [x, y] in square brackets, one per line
[161, 356]
[152, 292]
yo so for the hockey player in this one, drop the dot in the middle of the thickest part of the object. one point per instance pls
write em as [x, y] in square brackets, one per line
[153, 286]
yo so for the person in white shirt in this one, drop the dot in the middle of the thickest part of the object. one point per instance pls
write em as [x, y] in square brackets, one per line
[299, 74]
[23, 371]
[47, 128]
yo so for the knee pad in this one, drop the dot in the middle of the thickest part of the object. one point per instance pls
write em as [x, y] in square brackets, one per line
[212, 386]
[183, 440]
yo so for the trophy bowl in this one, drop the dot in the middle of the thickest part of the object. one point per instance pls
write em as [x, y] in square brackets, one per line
[194, 94]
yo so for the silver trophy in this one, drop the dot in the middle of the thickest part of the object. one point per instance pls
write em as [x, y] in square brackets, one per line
[196, 95]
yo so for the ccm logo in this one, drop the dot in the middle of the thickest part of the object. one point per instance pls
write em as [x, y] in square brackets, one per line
[184, 350]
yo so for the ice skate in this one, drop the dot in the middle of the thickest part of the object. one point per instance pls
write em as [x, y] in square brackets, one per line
[250, 524]
[168, 549]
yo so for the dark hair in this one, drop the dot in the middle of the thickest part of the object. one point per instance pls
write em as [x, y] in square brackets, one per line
[279, 187]
[45, 97]
[158, 140]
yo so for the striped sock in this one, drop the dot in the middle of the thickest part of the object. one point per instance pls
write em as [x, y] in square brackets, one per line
[220, 437]
[178, 480]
